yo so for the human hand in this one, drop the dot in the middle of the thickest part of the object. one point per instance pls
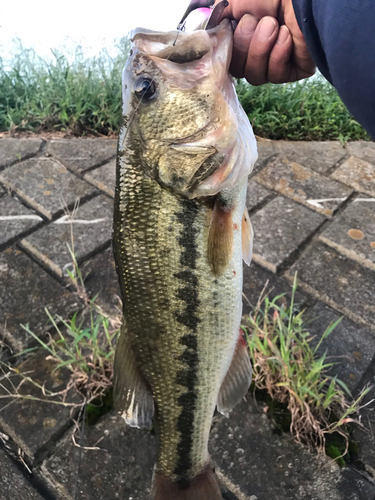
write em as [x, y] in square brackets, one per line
[268, 44]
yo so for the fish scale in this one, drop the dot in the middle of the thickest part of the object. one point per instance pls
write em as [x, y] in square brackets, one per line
[160, 339]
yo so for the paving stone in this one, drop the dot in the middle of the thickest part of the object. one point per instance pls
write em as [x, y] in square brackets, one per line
[46, 185]
[318, 156]
[256, 194]
[121, 468]
[13, 484]
[257, 280]
[350, 345]
[25, 291]
[34, 425]
[101, 280]
[280, 228]
[266, 148]
[268, 465]
[362, 149]
[353, 231]
[364, 436]
[303, 185]
[353, 486]
[15, 150]
[104, 177]
[89, 231]
[338, 281]
[81, 154]
[15, 219]
[358, 174]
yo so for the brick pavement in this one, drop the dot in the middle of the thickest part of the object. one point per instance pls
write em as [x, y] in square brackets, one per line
[313, 211]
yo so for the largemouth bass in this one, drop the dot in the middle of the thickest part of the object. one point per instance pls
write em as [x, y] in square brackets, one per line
[181, 230]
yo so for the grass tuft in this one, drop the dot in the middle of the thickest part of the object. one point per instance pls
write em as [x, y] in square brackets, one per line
[308, 110]
[83, 96]
[287, 366]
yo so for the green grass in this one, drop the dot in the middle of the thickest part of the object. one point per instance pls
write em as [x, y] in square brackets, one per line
[307, 110]
[84, 96]
[315, 406]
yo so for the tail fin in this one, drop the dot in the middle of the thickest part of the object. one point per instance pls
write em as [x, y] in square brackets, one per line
[205, 486]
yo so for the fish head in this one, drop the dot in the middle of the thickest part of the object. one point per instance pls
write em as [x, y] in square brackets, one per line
[183, 123]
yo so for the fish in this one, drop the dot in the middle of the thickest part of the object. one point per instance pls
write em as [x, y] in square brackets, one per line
[180, 232]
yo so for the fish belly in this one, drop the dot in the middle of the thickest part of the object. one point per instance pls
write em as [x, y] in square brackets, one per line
[181, 321]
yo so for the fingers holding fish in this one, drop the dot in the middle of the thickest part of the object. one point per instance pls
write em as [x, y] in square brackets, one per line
[242, 37]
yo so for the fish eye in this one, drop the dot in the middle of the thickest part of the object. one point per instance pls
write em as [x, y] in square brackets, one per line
[144, 88]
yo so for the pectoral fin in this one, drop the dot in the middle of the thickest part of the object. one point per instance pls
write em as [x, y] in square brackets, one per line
[130, 395]
[220, 238]
[247, 238]
[237, 380]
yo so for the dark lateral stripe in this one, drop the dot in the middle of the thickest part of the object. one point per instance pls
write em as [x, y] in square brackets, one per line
[187, 377]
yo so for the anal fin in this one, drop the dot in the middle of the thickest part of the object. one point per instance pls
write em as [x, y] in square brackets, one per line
[220, 238]
[247, 238]
[130, 395]
[238, 378]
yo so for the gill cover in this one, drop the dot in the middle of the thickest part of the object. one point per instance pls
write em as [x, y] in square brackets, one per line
[182, 118]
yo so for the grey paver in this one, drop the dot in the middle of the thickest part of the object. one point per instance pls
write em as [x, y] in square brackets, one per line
[353, 231]
[15, 150]
[280, 228]
[365, 436]
[87, 231]
[363, 149]
[353, 486]
[256, 194]
[25, 291]
[34, 424]
[104, 177]
[101, 280]
[121, 468]
[358, 174]
[338, 281]
[11, 226]
[13, 484]
[318, 156]
[257, 280]
[81, 154]
[268, 465]
[46, 185]
[350, 345]
[303, 185]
